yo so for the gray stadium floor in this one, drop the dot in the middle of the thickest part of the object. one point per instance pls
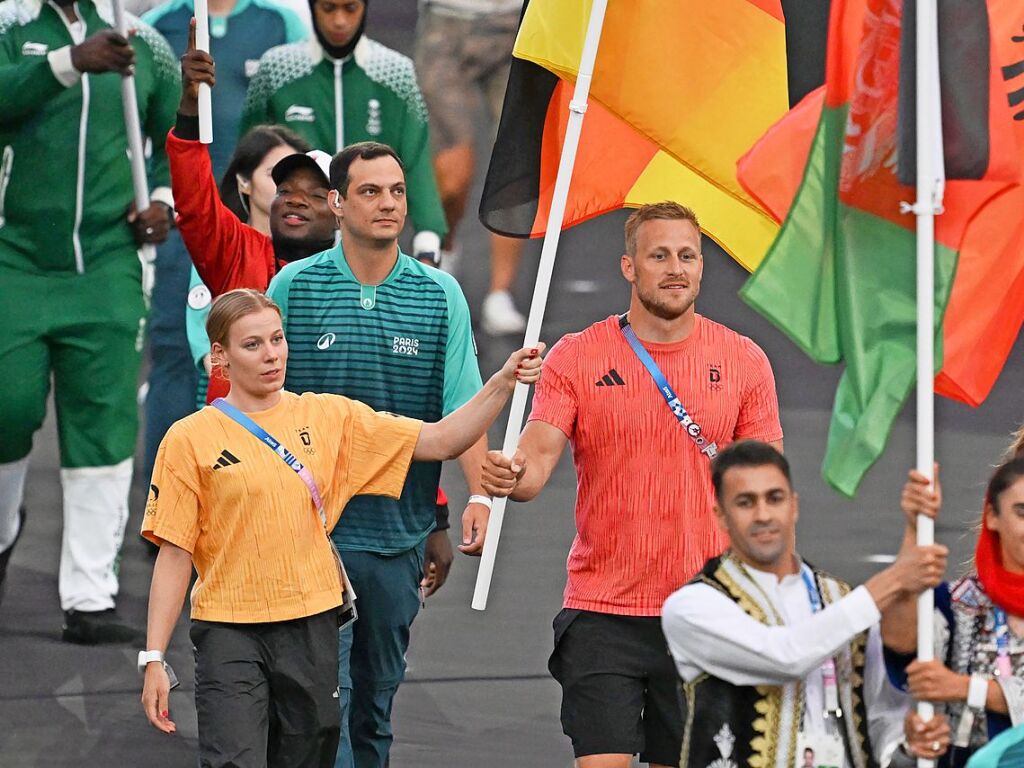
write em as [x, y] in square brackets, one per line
[477, 692]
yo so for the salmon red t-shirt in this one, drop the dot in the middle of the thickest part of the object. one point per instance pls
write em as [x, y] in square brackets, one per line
[644, 499]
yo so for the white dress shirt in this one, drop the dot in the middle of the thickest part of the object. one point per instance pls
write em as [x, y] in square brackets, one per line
[708, 632]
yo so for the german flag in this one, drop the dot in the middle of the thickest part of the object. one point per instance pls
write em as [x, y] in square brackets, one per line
[680, 91]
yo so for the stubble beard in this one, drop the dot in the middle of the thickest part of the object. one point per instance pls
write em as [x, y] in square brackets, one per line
[661, 310]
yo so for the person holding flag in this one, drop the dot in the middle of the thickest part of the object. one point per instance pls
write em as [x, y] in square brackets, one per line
[780, 659]
[71, 276]
[240, 32]
[343, 88]
[646, 399]
[230, 498]
[289, 215]
[977, 675]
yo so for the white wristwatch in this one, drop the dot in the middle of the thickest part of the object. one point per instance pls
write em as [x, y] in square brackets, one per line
[145, 657]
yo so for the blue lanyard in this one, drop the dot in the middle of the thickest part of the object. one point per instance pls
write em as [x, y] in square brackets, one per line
[828, 666]
[812, 589]
[693, 429]
[275, 445]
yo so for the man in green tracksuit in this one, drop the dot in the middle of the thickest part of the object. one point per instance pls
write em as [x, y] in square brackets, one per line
[342, 88]
[71, 277]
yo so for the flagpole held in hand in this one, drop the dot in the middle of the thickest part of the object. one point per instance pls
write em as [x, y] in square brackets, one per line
[930, 188]
[136, 151]
[556, 215]
[202, 15]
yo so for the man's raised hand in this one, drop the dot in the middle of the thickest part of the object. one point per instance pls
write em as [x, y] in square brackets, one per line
[196, 67]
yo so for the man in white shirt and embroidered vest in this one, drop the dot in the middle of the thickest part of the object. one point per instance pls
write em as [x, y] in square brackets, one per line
[778, 657]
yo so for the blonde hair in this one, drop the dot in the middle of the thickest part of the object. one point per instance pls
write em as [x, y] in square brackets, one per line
[1016, 448]
[666, 209]
[230, 307]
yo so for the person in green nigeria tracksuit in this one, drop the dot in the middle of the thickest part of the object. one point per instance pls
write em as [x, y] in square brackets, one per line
[71, 275]
[342, 88]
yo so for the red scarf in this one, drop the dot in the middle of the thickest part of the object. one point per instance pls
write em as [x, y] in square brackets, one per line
[1004, 588]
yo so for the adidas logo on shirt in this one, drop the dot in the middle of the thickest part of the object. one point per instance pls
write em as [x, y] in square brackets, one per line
[226, 460]
[610, 379]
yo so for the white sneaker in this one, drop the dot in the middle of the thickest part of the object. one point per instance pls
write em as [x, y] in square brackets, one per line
[499, 315]
[451, 260]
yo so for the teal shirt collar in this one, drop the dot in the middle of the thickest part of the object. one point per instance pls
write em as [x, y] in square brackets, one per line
[367, 293]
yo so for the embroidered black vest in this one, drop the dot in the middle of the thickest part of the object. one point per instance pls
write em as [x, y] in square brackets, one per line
[733, 726]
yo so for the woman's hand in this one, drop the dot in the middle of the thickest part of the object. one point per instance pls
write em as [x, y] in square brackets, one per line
[920, 497]
[928, 740]
[155, 692]
[523, 365]
[932, 681]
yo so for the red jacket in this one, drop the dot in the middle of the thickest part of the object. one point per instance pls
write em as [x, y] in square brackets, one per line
[227, 253]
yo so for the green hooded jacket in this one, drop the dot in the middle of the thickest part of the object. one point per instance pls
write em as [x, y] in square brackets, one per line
[65, 176]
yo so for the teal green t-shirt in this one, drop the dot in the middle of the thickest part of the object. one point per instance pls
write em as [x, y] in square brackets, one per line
[404, 346]
[1004, 751]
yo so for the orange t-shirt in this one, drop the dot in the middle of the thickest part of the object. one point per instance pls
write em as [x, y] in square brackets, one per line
[256, 538]
[644, 499]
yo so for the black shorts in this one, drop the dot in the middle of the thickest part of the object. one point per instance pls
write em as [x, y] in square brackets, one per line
[620, 688]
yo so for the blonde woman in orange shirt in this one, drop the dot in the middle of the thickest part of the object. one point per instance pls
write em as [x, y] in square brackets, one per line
[251, 512]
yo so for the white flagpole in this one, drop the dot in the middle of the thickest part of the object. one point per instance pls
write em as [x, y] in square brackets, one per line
[136, 151]
[202, 15]
[930, 187]
[577, 108]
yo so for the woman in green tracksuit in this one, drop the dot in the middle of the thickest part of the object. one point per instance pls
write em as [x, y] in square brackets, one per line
[343, 88]
[71, 299]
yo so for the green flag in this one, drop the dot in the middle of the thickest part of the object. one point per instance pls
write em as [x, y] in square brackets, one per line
[840, 278]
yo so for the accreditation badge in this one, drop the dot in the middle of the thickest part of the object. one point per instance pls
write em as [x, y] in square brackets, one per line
[819, 750]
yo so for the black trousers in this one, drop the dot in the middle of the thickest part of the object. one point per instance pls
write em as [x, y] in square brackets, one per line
[267, 694]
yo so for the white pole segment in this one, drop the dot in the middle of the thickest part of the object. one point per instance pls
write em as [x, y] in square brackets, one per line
[136, 150]
[202, 15]
[577, 108]
[930, 181]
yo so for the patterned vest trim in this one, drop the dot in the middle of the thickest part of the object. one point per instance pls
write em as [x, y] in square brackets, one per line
[971, 649]
[733, 726]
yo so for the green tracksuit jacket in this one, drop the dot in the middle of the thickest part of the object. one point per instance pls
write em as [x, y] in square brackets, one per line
[370, 96]
[65, 177]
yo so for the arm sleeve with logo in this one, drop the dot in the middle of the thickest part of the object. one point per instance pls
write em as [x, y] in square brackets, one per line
[27, 83]
[172, 510]
[555, 400]
[461, 368]
[376, 456]
[759, 411]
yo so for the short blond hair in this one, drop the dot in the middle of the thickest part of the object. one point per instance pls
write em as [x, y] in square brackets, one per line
[667, 209]
[230, 307]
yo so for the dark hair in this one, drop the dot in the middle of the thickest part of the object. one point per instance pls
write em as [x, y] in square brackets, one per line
[667, 209]
[248, 154]
[363, 150]
[747, 453]
[1006, 474]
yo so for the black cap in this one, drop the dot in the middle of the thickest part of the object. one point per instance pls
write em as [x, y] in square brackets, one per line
[314, 160]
